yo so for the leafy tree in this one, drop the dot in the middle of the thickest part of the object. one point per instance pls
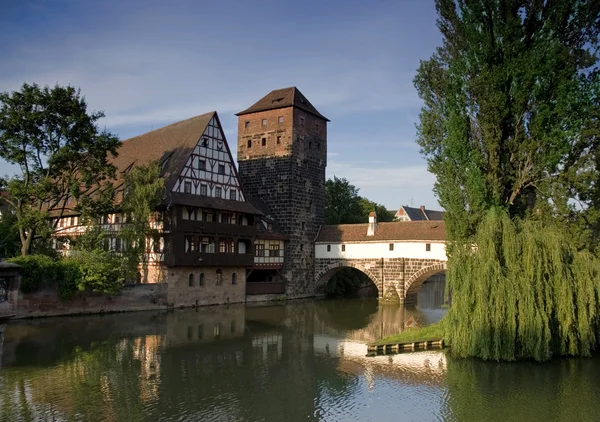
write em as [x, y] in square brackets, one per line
[383, 215]
[342, 203]
[509, 127]
[62, 156]
[9, 235]
[144, 189]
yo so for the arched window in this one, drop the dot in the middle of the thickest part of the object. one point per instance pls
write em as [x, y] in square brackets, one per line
[201, 280]
[219, 277]
[234, 278]
[191, 280]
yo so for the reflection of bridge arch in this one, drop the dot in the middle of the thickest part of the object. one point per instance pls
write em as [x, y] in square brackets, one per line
[415, 281]
[329, 271]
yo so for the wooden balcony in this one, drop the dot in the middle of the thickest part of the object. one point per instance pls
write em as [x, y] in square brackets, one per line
[212, 228]
[198, 259]
[265, 288]
[266, 262]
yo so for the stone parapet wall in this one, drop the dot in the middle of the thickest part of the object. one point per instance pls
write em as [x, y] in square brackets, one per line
[137, 297]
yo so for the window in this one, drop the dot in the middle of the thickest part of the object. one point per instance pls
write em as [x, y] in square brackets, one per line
[205, 142]
[309, 144]
[190, 243]
[203, 190]
[118, 244]
[225, 217]
[209, 217]
[274, 250]
[219, 279]
[428, 247]
[280, 119]
[191, 280]
[187, 187]
[226, 246]
[207, 245]
[200, 331]
[190, 332]
[391, 246]
[343, 248]
[158, 245]
[249, 143]
[264, 142]
[233, 194]
[301, 121]
[317, 127]
[303, 225]
[201, 165]
[259, 249]
[264, 122]
[221, 168]
[201, 280]
[247, 125]
[218, 193]
[234, 278]
[328, 248]
[278, 140]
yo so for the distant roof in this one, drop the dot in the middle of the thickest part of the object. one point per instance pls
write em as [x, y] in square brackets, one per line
[422, 214]
[398, 231]
[281, 98]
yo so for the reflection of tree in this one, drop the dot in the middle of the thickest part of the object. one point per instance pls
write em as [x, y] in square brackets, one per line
[565, 389]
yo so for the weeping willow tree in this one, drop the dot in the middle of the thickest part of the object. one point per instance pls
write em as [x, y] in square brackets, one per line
[510, 129]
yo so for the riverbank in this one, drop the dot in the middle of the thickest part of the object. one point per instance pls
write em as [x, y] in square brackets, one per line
[428, 333]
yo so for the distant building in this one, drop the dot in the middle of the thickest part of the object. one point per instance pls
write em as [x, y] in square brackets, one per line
[406, 213]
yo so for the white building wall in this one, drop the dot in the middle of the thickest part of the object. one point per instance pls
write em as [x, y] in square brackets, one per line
[367, 250]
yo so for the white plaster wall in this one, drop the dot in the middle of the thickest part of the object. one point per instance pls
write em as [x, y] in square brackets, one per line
[364, 250]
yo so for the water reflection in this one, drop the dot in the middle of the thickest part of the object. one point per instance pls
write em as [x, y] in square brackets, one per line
[296, 361]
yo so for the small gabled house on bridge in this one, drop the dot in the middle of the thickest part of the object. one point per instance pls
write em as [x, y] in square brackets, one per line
[397, 256]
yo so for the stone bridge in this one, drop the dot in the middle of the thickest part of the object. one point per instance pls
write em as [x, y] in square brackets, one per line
[395, 278]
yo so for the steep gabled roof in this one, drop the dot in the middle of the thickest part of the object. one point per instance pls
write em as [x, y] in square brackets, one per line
[421, 214]
[393, 231]
[281, 98]
[170, 146]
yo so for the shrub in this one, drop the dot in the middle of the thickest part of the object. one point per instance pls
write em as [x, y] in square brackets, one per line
[38, 271]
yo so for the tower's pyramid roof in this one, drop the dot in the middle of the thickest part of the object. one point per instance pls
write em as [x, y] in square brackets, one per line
[281, 98]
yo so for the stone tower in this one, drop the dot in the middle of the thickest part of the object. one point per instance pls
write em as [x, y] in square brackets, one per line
[282, 155]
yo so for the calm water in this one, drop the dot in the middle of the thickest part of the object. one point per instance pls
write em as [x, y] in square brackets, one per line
[286, 362]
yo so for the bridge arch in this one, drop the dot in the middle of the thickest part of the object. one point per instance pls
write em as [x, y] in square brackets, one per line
[415, 281]
[323, 276]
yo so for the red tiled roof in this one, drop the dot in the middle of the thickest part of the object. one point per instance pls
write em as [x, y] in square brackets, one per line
[281, 98]
[399, 231]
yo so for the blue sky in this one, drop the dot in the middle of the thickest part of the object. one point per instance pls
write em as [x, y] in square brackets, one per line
[149, 63]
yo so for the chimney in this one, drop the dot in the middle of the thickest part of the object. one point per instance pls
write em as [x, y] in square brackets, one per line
[422, 207]
[372, 224]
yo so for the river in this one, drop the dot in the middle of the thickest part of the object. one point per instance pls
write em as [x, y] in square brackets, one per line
[292, 361]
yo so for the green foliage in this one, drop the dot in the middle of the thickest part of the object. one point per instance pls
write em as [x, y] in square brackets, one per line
[524, 292]
[343, 205]
[510, 129]
[37, 272]
[507, 99]
[144, 190]
[10, 243]
[383, 215]
[431, 332]
[62, 156]
[98, 271]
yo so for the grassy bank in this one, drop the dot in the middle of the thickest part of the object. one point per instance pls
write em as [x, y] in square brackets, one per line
[431, 332]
